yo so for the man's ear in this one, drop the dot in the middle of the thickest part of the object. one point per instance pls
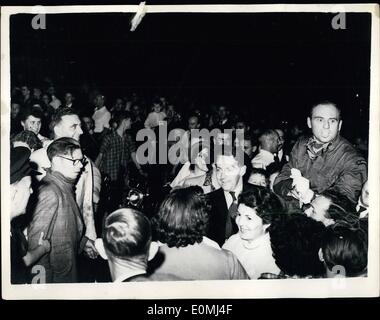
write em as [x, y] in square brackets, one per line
[309, 122]
[340, 124]
[22, 124]
[320, 255]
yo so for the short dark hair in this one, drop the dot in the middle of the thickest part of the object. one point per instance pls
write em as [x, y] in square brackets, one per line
[182, 218]
[127, 233]
[323, 102]
[265, 202]
[343, 245]
[30, 138]
[62, 146]
[341, 208]
[31, 111]
[296, 240]
[120, 116]
[56, 118]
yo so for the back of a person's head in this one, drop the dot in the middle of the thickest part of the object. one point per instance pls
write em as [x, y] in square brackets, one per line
[62, 146]
[28, 137]
[340, 208]
[126, 234]
[268, 138]
[182, 218]
[345, 246]
[295, 240]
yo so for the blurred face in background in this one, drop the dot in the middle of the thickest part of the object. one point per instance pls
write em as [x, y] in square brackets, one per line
[32, 124]
[15, 110]
[281, 139]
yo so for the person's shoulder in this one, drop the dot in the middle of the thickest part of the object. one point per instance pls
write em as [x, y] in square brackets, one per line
[350, 152]
[48, 189]
[231, 242]
[215, 194]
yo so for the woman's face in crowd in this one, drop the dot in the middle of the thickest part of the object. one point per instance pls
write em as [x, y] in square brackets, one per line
[250, 224]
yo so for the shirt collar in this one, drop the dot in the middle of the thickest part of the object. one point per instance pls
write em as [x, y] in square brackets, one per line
[238, 189]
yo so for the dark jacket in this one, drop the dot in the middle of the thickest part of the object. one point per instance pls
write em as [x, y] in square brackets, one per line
[340, 168]
[219, 214]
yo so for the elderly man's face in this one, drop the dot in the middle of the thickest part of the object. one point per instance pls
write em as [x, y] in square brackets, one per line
[325, 123]
[228, 172]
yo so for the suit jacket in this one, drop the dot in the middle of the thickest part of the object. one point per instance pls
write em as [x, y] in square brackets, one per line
[219, 214]
[56, 197]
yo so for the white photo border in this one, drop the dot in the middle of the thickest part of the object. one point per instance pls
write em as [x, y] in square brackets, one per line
[288, 288]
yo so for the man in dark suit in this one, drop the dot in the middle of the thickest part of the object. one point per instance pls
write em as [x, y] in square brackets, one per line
[230, 170]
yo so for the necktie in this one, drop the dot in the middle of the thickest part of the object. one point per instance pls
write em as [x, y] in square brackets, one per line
[276, 159]
[232, 210]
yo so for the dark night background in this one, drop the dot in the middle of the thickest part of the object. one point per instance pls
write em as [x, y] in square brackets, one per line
[267, 65]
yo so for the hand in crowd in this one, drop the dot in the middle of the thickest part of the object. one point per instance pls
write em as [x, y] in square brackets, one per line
[44, 243]
[90, 250]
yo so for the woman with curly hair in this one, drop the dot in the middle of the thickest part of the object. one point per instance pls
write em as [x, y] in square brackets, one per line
[180, 228]
[257, 207]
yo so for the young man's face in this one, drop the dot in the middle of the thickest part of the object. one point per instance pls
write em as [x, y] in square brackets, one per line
[69, 127]
[228, 172]
[325, 122]
[68, 165]
[32, 124]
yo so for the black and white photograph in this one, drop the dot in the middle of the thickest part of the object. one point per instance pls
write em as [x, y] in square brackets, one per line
[190, 151]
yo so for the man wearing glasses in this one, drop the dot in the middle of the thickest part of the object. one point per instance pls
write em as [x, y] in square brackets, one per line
[66, 123]
[57, 214]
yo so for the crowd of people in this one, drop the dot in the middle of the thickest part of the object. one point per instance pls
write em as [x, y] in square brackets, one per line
[273, 202]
